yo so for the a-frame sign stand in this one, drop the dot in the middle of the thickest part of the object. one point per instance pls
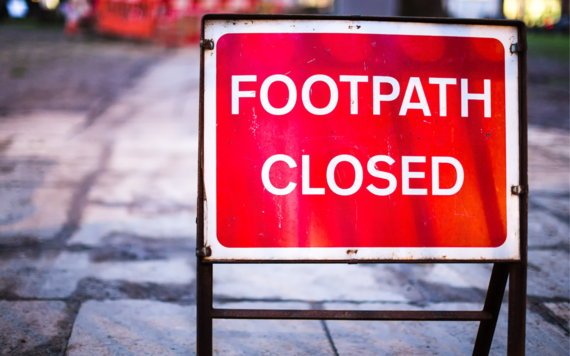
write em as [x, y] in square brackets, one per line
[513, 271]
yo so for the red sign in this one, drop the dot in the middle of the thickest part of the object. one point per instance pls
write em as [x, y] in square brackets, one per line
[360, 140]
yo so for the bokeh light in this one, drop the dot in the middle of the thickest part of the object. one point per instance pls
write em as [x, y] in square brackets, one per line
[50, 4]
[17, 8]
[536, 13]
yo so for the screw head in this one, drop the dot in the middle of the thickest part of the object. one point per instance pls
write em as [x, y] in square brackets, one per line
[207, 44]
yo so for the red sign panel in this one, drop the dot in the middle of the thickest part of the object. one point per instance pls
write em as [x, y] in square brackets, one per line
[386, 165]
[359, 140]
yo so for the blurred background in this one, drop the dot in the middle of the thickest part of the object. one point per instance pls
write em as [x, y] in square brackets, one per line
[98, 165]
[44, 32]
[176, 22]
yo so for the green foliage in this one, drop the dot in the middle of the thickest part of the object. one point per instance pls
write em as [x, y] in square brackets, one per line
[550, 45]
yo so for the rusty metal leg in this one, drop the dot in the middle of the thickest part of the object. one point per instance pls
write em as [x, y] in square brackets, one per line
[517, 309]
[204, 298]
[493, 301]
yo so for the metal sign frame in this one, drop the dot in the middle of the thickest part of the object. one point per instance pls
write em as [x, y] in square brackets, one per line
[513, 270]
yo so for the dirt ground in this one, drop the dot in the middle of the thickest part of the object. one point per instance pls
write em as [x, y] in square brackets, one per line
[43, 69]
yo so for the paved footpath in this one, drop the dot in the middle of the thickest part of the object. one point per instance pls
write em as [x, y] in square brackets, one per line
[97, 237]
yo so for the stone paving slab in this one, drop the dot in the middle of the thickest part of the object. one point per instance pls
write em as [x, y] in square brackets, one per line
[553, 202]
[544, 337]
[307, 282]
[417, 283]
[548, 157]
[52, 136]
[435, 338]
[453, 275]
[101, 221]
[562, 311]
[170, 192]
[133, 327]
[38, 172]
[57, 275]
[270, 337]
[24, 171]
[40, 132]
[22, 215]
[400, 338]
[155, 155]
[546, 230]
[33, 327]
[548, 274]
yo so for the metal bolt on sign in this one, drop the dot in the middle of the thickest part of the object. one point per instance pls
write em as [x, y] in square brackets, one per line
[203, 252]
[517, 47]
[207, 44]
[303, 106]
[519, 190]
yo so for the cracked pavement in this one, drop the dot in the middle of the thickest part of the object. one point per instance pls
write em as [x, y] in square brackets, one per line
[97, 230]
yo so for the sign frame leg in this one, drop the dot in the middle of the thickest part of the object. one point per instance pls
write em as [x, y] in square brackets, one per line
[204, 271]
[204, 300]
[517, 310]
[493, 302]
[518, 271]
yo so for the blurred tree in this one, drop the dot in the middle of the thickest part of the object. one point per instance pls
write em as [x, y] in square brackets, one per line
[423, 8]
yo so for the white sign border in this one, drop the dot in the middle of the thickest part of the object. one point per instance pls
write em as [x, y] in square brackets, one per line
[507, 35]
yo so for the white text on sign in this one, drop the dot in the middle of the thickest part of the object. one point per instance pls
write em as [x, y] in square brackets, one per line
[372, 169]
[414, 85]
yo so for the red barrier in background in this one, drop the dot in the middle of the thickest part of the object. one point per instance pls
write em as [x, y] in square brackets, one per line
[169, 22]
[131, 19]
